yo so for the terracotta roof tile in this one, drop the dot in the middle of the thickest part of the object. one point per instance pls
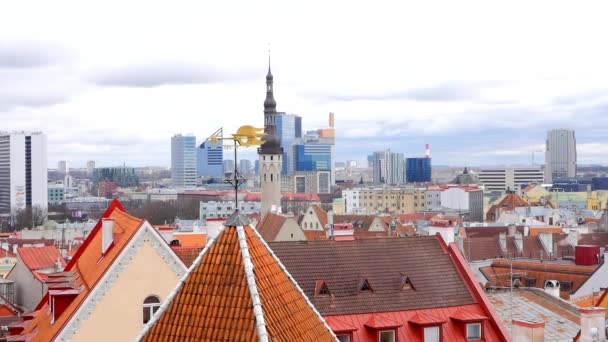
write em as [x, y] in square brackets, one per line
[36, 258]
[321, 214]
[187, 254]
[214, 301]
[270, 226]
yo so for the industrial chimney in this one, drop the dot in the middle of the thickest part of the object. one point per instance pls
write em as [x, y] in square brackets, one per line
[427, 151]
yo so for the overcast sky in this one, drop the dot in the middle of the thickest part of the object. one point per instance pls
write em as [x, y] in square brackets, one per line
[481, 81]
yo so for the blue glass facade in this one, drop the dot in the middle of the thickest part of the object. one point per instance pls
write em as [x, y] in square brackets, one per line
[418, 170]
[313, 157]
[579, 184]
[209, 159]
[289, 128]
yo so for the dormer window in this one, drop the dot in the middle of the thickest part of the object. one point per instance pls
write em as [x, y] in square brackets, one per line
[432, 334]
[473, 331]
[364, 286]
[406, 283]
[321, 288]
[386, 336]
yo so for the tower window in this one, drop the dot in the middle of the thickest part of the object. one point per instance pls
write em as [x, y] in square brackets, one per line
[271, 176]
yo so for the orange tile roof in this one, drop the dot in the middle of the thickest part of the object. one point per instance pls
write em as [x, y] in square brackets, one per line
[89, 265]
[191, 239]
[36, 258]
[187, 254]
[321, 214]
[214, 301]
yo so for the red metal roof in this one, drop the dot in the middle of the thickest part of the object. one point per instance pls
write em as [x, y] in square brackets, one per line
[378, 321]
[36, 258]
[408, 329]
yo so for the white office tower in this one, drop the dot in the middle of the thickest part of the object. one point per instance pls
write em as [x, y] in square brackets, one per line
[183, 161]
[23, 171]
[560, 155]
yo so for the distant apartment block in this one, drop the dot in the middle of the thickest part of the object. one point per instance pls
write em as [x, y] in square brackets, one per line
[503, 179]
[121, 175]
[223, 209]
[183, 161]
[388, 167]
[560, 154]
[56, 193]
[23, 171]
[380, 200]
[464, 198]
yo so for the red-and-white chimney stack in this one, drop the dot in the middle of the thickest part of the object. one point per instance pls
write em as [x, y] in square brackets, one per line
[427, 153]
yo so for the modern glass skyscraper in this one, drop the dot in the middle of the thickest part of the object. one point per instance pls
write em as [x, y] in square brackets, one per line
[183, 161]
[418, 170]
[560, 154]
[289, 131]
[23, 171]
[209, 157]
[313, 157]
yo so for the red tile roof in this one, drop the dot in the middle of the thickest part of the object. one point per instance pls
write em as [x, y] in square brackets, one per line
[270, 226]
[36, 258]
[187, 254]
[214, 301]
[321, 214]
[86, 268]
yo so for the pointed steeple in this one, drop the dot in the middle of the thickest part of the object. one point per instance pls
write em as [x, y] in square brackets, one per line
[270, 105]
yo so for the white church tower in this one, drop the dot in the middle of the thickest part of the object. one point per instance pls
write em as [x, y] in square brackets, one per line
[270, 153]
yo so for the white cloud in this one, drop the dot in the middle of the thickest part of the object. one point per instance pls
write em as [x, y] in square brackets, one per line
[420, 72]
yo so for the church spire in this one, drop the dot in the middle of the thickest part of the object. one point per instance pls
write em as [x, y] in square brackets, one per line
[270, 105]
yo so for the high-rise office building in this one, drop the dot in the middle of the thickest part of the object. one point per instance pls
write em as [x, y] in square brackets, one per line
[289, 131]
[90, 167]
[512, 178]
[228, 165]
[388, 167]
[418, 170]
[560, 154]
[244, 166]
[183, 161]
[23, 171]
[209, 157]
[313, 157]
[62, 166]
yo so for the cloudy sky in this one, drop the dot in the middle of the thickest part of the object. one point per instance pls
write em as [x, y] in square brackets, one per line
[481, 81]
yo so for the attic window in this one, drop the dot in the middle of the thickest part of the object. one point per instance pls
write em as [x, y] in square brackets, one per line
[364, 286]
[321, 288]
[406, 283]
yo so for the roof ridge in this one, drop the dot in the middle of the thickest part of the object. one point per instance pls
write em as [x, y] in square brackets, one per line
[179, 285]
[293, 281]
[253, 289]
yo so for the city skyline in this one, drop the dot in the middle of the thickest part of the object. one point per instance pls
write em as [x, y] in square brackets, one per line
[483, 92]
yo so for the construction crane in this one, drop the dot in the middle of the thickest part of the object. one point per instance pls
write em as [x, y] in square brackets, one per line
[533, 153]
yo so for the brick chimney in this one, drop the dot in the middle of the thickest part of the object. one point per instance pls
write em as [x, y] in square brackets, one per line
[526, 331]
[593, 324]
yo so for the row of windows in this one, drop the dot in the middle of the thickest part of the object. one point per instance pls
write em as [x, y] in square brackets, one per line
[431, 334]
